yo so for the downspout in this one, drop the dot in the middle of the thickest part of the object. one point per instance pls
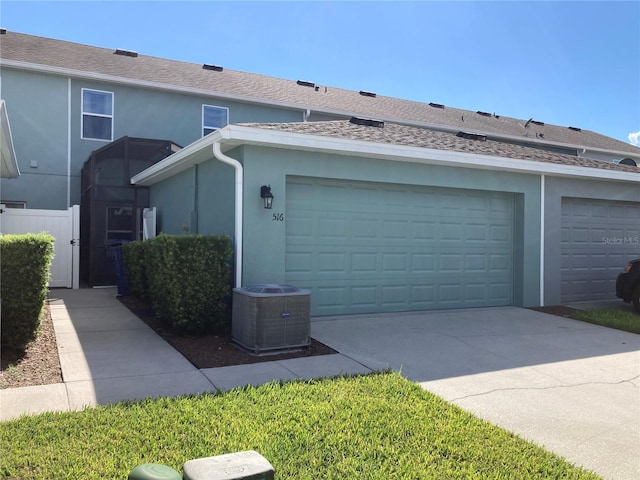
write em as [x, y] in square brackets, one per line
[542, 239]
[69, 142]
[238, 214]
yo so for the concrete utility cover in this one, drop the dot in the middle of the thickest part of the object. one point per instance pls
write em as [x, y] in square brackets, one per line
[571, 387]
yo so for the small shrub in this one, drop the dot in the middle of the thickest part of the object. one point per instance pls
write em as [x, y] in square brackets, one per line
[187, 278]
[25, 265]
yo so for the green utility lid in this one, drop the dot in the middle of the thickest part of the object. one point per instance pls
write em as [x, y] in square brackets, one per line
[154, 471]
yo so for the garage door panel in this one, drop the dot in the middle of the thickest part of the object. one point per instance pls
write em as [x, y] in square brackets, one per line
[503, 204]
[598, 237]
[475, 292]
[500, 263]
[395, 230]
[423, 230]
[299, 262]
[476, 263]
[395, 248]
[363, 296]
[500, 291]
[501, 235]
[422, 262]
[365, 229]
[364, 262]
[476, 232]
[394, 262]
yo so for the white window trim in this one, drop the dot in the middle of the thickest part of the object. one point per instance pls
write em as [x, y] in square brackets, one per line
[211, 128]
[83, 113]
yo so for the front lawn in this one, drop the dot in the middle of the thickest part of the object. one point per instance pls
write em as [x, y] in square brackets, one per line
[379, 426]
[625, 320]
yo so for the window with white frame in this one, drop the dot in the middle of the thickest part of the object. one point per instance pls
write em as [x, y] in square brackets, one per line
[97, 115]
[213, 118]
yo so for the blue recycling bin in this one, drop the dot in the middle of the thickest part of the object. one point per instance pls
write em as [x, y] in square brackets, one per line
[123, 288]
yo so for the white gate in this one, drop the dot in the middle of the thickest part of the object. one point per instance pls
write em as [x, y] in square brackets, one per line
[63, 225]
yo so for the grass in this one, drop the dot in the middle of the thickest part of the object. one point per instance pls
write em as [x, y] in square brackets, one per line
[368, 427]
[612, 317]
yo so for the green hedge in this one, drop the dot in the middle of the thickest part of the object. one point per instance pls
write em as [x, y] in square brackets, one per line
[25, 264]
[135, 266]
[186, 277]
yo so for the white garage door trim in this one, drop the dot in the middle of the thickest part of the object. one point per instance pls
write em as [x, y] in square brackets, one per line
[63, 225]
[366, 247]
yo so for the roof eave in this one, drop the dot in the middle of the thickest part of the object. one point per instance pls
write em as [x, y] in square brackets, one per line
[233, 135]
[67, 72]
[193, 154]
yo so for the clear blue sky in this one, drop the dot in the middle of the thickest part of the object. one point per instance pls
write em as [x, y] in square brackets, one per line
[566, 63]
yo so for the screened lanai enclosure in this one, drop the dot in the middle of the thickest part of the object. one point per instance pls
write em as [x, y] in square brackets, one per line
[110, 207]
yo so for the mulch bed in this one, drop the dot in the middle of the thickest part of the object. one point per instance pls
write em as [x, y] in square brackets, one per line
[37, 364]
[210, 351]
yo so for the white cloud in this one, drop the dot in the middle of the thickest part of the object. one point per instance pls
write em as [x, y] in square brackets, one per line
[634, 137]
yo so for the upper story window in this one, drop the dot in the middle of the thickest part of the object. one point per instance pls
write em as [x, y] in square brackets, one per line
[97, 115]
[213, 118]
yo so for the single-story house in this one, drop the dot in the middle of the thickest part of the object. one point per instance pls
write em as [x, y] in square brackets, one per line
[375, 216]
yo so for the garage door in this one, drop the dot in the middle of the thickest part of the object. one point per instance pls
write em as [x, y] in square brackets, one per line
[598, 239]
[363, 247]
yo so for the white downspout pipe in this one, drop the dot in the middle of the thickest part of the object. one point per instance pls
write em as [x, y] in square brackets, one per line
[238, 214]
[542, 238]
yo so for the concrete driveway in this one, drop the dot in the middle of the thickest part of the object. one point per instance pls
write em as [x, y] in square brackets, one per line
[571, 387]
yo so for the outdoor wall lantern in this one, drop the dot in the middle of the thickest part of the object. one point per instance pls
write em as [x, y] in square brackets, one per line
[266, 195]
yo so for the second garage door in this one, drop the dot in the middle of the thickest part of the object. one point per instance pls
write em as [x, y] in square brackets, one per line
[598, 238]
[364, 247]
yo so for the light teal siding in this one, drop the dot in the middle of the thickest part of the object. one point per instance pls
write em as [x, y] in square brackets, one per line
[174, 202]
[216, 199]
[37, 109]
[265, 234]
[199, 200]
[46, 125]
[160, 115]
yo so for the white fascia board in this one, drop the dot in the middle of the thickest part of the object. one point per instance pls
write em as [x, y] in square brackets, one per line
[9, 163]
[283, 139]
[233, 135]
[102, 77]
[193, 154]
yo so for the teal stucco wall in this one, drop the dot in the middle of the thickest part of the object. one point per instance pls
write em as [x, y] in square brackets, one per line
[264, 230]
[264, 233]
[45, 116]
[198, 200]
[37, 109]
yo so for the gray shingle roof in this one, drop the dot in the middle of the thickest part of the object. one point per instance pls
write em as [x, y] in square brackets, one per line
[395, 134]
[250, 86]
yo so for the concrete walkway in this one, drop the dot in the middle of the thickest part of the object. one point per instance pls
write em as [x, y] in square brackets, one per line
[571, 387]
[107, 355]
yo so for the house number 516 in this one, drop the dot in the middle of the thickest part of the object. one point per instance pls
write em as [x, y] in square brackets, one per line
[278, 217]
